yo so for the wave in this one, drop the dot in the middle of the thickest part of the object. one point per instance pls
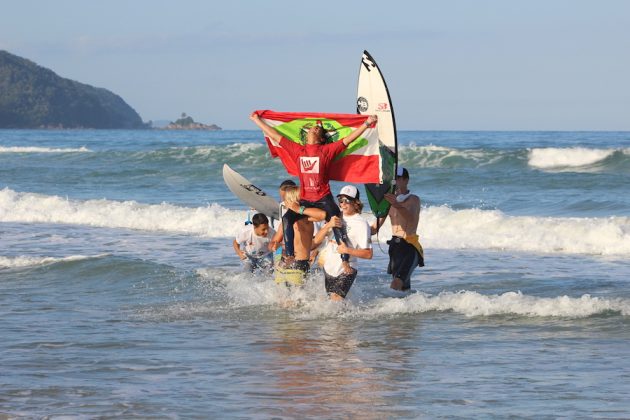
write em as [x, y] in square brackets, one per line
[33, 149]
[26, 261]
[256, 155]
[432, 156]
[253, 154]
[443, 227]
[575, 157]
[473, 304]
[440, 227]
[210, 221]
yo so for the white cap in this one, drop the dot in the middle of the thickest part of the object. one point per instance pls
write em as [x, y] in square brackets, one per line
[349, 191]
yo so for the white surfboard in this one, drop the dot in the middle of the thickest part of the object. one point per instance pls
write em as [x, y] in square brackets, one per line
[250, 194]
[373, 99]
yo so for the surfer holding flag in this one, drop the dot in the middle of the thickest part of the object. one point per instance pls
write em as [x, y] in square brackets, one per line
[314, 161]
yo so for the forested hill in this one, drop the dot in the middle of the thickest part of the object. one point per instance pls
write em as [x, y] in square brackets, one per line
[32, 96]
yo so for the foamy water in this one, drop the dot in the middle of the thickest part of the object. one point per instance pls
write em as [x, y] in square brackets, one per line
[552, 157]
[441, 227]
[16, 149]
[30, 261]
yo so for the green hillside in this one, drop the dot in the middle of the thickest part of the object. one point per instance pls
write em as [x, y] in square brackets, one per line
[32, 96]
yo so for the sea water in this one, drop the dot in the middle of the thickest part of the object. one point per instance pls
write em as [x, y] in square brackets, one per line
[121, 295]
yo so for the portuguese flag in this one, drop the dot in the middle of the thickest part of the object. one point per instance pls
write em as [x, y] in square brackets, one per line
[360, 163]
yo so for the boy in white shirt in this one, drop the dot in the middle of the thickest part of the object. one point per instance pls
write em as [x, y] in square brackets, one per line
[339, 275]
[252, 244]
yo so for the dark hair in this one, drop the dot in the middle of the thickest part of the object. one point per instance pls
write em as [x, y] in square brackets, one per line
[405, 174]
[287, 182]
[259, 219]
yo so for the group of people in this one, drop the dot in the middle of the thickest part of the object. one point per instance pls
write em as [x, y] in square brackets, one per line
[345, 236]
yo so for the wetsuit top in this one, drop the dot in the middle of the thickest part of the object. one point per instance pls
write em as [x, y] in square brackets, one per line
[313, 161]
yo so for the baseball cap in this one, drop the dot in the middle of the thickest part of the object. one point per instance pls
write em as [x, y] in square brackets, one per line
[403, 172]
[349, 191]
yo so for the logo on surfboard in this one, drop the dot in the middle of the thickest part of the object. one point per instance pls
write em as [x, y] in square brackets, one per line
[362, 104]
[254, 189]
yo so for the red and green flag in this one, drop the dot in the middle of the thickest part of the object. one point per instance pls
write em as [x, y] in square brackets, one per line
[360, 163]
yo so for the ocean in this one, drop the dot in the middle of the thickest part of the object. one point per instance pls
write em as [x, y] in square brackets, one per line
[121, 295]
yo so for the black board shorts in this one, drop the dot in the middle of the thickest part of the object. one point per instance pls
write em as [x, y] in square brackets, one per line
[341, 284]
[302, 265]
[403, 259]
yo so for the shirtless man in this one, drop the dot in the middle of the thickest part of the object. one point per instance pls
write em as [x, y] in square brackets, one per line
[405, 251]
[301, 238]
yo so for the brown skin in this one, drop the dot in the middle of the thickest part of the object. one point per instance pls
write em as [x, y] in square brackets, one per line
[404, 221]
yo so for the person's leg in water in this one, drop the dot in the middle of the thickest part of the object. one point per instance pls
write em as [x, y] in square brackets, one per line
[289, 218]
[303, 244]
[403, 259]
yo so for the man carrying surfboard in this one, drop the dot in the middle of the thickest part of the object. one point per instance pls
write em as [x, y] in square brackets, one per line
[405, 251]
[314, 160]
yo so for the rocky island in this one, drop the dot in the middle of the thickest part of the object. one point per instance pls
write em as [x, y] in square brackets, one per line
[186, 122]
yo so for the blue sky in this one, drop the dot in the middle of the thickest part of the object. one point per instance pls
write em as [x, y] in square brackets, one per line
[450, 65]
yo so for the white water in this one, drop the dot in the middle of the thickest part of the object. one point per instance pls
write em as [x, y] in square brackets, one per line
[310, 302]
[548, 158]
[34, 149]
[440, 227]
[29, 261]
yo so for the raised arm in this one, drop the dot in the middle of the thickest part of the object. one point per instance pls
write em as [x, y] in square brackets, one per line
[267, 129]
[357, 133]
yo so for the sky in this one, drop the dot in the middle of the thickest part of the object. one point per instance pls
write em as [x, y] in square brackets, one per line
[449, 64]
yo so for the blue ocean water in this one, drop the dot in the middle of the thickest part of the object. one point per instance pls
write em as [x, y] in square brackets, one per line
[120, 294]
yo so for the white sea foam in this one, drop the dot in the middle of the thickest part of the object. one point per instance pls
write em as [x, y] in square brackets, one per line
[311, 302]
[27, 261]
[211, 221]
[440, 227]
[549, 158]
[17, 149]
[473, 304]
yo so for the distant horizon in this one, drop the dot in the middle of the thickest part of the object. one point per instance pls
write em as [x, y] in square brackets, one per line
[452, 66]
[256, 130]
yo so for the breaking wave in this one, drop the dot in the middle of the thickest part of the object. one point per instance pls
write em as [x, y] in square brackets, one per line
[440, 227]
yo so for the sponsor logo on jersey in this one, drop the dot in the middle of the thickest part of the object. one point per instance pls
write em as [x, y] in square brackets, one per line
[309, 164]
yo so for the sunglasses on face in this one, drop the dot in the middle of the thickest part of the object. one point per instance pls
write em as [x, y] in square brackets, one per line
[343, 200]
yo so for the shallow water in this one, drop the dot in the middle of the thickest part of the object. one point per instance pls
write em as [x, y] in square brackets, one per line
[120, 295]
